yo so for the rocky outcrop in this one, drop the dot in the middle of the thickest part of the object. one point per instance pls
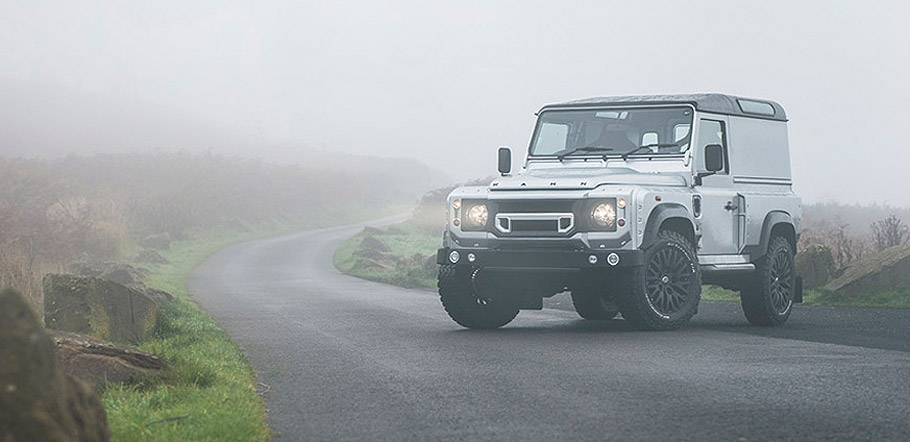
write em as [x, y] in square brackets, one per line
[886, 270]
[38, 401]
[97, 307]
[121, 273]
[149, 256]
[101, 363]
[815, 264]
[160, 241]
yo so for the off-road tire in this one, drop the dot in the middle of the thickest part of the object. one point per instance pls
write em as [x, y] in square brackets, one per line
[464, 306]
[675, 298]
[767, 299]
[593, 305]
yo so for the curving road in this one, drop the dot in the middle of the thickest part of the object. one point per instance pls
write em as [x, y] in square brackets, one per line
[347, 359]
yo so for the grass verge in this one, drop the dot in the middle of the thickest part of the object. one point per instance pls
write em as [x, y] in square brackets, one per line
[399, 255]
[213, 395]
[402, 244]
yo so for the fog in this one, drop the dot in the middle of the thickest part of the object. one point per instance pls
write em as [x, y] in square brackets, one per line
[446, 83]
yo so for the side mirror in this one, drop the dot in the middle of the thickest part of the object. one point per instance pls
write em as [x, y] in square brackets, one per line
[505, 160]
[714, 158]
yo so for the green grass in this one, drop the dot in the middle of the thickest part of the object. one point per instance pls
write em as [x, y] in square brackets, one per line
[405, 262]
[213, 394]
[404, 242]
[899, 298]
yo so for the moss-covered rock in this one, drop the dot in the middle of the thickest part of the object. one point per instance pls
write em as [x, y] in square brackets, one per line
[815, 263]
[38, 402]
[101, 363]
[97, 307]
[883, 271]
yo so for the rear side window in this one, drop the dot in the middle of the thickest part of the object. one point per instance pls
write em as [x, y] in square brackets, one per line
[713, 132]
[756, 107]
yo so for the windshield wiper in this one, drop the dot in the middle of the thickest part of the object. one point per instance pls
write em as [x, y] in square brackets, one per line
[625, 156]
[584, 149]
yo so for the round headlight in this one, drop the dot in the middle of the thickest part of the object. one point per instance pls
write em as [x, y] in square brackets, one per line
[604, 215]
[477, 215]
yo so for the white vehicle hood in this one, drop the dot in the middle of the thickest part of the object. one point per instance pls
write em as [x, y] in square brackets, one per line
[570, 178]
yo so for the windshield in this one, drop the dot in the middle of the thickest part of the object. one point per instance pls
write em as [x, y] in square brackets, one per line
[643, 131]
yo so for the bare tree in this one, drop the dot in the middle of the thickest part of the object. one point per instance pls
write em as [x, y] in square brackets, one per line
[846, 249]
[889, 232]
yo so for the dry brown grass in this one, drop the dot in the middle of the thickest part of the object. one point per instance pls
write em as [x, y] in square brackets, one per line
[26, 275]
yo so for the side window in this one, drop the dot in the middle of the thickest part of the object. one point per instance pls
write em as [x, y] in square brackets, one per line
[552, 138]
[713, 132]
[681, 133]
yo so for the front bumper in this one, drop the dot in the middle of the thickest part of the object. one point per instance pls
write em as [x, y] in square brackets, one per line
[540, 259]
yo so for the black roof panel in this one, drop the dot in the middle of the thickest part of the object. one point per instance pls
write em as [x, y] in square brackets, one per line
[716, 103]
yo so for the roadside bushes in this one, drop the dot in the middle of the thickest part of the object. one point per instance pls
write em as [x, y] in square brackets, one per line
[816, 265]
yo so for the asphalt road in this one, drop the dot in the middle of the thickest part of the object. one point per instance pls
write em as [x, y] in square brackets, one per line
[347, 359]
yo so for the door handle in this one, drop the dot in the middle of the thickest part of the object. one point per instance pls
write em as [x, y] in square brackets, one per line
[730, 206]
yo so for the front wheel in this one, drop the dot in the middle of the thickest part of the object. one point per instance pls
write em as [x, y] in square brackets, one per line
[457, 291]
[768, 299]
[663, 293]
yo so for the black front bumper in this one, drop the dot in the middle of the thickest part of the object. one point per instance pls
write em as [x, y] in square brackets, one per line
[540, 259]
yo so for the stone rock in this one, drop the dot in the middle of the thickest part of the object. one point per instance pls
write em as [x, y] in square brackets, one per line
[160, 241]
[153, 293]
[886, 270]
[111, 270]
[122, 273]
[97, 307]
[149, 256]
[815, 264]
[38, 401]
[101, 363]
[86, 268]
[369, 245]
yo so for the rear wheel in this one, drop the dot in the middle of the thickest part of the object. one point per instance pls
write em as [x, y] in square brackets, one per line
[594, 305]
[768, 299]
[663, 293]
[457, 291]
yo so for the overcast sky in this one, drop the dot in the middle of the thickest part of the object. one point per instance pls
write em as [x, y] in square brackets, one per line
[448, 82]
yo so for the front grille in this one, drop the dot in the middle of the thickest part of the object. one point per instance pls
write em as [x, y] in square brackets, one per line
[544, 218]
[536, 206]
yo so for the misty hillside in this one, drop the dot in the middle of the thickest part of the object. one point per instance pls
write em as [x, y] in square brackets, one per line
[108, 206]
[52, 120]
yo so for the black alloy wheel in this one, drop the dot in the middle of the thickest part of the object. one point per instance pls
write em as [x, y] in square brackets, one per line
[768, 298]
[663, 294]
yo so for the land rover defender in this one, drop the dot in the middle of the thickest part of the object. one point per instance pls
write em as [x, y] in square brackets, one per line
[631, 204]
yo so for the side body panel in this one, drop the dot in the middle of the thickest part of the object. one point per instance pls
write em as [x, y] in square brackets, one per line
[760, 168]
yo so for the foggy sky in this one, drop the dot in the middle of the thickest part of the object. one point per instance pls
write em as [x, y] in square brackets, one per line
[447, 82]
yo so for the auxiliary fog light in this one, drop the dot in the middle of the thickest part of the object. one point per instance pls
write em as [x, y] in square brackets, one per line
[613, 259]
[454, 256]
[471, 257]
[592, 259]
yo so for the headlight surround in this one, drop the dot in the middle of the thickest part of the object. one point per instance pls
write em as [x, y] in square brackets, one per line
[602, 214]
[476, 215]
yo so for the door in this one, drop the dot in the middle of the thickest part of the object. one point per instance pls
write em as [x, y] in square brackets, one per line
[721, 206]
